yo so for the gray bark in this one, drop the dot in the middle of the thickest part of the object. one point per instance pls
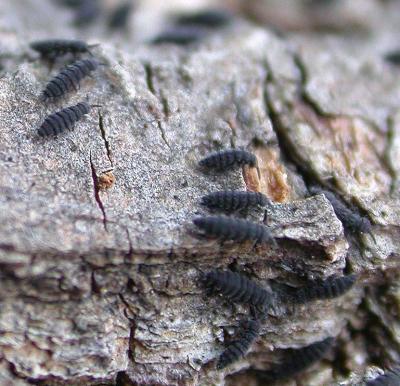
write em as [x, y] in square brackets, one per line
[99, 280]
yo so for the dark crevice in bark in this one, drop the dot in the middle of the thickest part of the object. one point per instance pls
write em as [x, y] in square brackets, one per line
[166, 111]
[96, 192]
[313, 105]
[103, 135]
[94, 286]
[123, 379]
[128, 314]
[287, 149]
[12, 369]
[149, 77]
[130, 250]
[131, 350]
[163, 136]
[164, 102]
[389, 145]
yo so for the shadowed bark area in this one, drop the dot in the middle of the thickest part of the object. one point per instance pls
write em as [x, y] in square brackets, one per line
[100, 263]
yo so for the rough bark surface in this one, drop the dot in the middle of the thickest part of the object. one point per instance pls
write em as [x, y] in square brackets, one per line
[100, 263]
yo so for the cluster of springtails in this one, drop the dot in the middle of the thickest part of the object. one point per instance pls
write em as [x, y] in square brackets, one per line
[230, 228]
[67, 80]
[238, 288]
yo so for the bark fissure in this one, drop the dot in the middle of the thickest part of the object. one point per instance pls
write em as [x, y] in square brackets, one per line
[149, 78]
[313, 105]
[104, 136]
[163, 136]
[288, 150]
[150, 85]
[96, 192]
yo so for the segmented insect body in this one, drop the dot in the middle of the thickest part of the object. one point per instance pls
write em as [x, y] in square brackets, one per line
[297, 361]
[238, 288]
[69, 78]
[64, 119]
[210, 18]
[238, 348]
[327, 289]
[181, 35]
[233, 200]
[226, 159]
[55, 47]
[119, 18]
[390, 378]
[351, 220]
[227, 228]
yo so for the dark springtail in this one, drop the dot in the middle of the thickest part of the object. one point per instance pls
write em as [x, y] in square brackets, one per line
[393, 57]
[226, 159]
[390, 378]
[233, 200]
[228, 228]
[55, 47]
[212, 18]
[297, 361]
[350, 219]
[181, 35]
[238, 288]
[330, 288]
[238, 348]
[64, 119]
[69, 78]
[119, 18]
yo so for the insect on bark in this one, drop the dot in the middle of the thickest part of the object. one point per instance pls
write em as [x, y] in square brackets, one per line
[52, 48]
[234, 200]
[238, 348]
[227, 159]
[296, 361]
[330, 288]
[238, 288]
[64, 119]
[68, 79]
[351, 220]
[229, 228]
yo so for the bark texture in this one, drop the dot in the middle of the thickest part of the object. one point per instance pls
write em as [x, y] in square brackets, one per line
[100, 263]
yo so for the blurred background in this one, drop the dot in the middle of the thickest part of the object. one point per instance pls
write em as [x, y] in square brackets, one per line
[138, 20]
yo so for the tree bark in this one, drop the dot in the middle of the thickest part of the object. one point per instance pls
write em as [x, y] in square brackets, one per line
[100, 262]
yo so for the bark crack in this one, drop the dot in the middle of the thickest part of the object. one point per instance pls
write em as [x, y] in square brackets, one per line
[312, 104]
[166, 111]
[163, 136]
[150, 85]
[285, 145]
[128, 313]
[390, 143]
[130, 250]
[149, 78]
[103, 135]
[96, 192]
